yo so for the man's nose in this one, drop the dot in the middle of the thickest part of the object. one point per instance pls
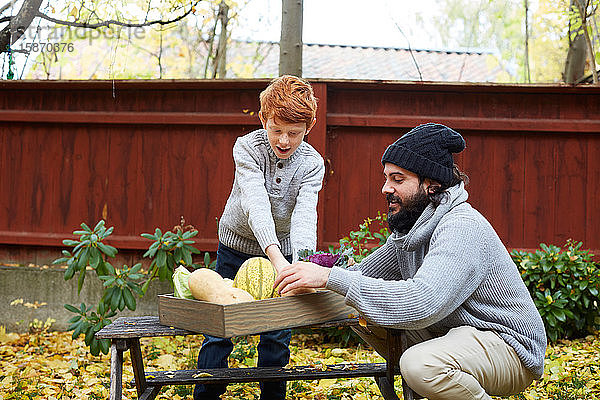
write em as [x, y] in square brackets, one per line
[386, 188]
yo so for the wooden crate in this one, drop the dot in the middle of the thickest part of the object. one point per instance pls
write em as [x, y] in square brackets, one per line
[252, 317]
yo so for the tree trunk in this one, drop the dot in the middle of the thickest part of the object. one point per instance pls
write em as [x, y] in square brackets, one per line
[220, 60]
[290, 44]
[211, 45]
[575, 63]
[588, 41]
[576, 55]
[527, 72]
[19, 23]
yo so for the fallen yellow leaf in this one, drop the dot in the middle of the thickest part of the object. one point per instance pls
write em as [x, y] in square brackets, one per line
[201, 375]
[362, 322]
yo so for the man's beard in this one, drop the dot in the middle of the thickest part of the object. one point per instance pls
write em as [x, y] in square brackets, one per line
[408, 212]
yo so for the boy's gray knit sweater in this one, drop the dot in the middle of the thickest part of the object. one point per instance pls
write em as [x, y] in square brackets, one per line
[272, 201]
[449, 270]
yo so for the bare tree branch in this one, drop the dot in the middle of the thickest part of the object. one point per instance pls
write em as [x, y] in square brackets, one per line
[160, 52]
[18, 24]
[260, 55]
[31, 10]
[7, 6]
[110, 22]
[211, 42]
[410, 51]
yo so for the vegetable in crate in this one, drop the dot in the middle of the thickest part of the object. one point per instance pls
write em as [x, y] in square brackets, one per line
[323, 259]
[180, 282]
[257, 276]
[341, 258]
[207, 285]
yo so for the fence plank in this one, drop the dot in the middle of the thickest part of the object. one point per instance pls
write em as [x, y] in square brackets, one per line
[143, 154]
[592, 227]
[570, 191]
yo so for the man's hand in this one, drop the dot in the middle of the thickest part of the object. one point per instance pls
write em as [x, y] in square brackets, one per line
[301, 274]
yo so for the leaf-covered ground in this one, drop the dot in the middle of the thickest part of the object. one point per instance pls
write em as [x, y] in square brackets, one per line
[50, 365]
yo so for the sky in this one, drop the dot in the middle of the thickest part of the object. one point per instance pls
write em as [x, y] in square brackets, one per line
[349, 22]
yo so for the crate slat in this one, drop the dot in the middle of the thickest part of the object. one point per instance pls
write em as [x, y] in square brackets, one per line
[253, 317]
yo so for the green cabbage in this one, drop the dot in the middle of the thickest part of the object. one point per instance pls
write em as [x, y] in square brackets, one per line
[180, 281]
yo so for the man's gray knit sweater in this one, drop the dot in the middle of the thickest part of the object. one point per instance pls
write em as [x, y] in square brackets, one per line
[272, 201]
[451, 269]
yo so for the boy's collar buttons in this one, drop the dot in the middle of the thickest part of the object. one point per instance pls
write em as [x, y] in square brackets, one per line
[280, 164]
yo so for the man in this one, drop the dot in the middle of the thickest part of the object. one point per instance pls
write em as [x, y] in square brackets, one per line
[444, 276]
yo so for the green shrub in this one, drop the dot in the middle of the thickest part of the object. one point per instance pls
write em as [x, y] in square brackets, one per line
[371, 234]
[121, 285]
[564, 284]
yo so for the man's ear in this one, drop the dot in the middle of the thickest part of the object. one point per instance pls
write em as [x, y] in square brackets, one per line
[310, 127]
[433, 188]
[430, 185]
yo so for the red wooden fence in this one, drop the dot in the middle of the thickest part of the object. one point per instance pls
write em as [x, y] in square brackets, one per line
[141, 154]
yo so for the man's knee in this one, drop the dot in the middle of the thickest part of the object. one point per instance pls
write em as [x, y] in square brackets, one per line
[419, 369]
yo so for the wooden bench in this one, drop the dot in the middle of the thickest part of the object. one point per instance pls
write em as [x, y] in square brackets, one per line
[125, 334]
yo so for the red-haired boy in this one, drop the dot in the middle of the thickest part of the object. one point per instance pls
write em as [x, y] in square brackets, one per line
[272, 211]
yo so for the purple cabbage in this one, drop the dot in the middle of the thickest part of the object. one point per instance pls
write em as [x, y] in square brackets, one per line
[323, 259]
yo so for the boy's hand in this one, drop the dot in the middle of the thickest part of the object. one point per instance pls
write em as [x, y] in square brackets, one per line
[276, 257]
[301, 274]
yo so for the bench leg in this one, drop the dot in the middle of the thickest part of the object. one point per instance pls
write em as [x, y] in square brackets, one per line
[116, 370]
[150, 393]
[389, 344]
[386, 383]
[386, 388]
[144, 391]
[397, 343]
[408, 393]
[138, 366]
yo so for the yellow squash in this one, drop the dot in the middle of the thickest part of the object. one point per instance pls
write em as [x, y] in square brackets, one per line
[207, 285]
[256, 276]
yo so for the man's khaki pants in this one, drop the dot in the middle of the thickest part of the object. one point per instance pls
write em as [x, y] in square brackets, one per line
[464, 364]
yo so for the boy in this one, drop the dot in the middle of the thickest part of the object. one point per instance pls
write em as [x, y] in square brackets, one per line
[271, 211]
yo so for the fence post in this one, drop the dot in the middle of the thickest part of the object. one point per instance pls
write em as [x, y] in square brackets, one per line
[318, 139]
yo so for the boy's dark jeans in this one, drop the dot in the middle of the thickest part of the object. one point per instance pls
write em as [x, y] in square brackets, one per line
[273, 348]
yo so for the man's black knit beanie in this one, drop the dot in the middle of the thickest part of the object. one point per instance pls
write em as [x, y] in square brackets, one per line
[427, 151]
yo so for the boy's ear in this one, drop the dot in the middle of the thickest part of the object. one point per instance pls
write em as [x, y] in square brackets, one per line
[262, 119]
[310, 127]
